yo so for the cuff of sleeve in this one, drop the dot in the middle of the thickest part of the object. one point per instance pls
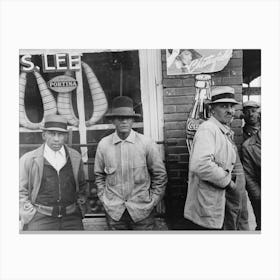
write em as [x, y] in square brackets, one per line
[225, 181]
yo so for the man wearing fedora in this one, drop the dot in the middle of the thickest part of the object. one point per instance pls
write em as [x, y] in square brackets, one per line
[52, 190]
[211, 168]
[129, 172]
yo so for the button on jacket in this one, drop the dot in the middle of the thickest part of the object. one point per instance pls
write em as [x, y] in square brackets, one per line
[129, 174]
[211, 162]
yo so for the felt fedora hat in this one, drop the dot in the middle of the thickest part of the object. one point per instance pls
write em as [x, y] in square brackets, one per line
[55, 123]
[122, 106]
[222, 94]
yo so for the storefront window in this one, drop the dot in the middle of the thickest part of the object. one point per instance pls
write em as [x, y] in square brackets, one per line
[118, 74]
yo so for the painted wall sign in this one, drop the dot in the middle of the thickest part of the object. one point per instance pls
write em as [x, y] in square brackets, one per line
[196, 61]
[62, 83]
[59, 62]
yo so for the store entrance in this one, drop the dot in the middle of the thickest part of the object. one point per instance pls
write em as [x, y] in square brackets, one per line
[133, 73]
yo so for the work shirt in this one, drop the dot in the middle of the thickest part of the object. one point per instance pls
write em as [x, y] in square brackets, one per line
[129, 174]
[56, 158]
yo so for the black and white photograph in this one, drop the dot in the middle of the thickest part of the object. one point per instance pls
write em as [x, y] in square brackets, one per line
[102, 148]
[127, 156]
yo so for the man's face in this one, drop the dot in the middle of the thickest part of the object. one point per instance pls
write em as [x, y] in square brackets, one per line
[251, 115]
[54, 139]
[123, 124]
[223, 112]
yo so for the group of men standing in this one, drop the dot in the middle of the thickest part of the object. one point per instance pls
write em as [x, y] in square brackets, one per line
[131, 177]
[129, 173]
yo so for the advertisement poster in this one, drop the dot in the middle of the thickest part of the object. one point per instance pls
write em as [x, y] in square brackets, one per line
[196, 61]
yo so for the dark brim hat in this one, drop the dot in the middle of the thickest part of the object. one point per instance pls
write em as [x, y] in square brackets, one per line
[122, 107]
[223, 94]
[55, 123]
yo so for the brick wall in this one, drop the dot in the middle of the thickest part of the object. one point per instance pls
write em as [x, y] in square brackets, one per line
[178, 99]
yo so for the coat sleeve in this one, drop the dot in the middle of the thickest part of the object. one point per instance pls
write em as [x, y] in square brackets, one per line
[157, 172]
[26, 208]
[252, 184]
[83, 185]
[83, 189]
[202, 161]
[100, 175]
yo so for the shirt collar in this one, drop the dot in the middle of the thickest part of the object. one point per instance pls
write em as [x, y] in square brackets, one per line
[49, 151]
[130, 138]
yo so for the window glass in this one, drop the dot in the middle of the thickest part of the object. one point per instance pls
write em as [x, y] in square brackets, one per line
[118, 73]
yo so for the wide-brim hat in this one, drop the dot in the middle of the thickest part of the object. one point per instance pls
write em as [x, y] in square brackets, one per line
[122, 106]
[55, 123]
[222, 94]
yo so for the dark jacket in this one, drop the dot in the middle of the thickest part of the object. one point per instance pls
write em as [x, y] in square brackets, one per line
[249, 130]
[30, 178]
[251, 158]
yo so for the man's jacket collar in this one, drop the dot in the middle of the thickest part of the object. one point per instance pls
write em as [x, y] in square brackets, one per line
[130, 138]
[255, 139]
[225, 129]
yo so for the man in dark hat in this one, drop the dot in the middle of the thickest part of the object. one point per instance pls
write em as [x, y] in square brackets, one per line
[52, 188]
[211, 169]
[129, 172]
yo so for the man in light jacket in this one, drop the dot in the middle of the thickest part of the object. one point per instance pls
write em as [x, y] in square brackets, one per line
[129, 172]
[212, 159]
[52, 185]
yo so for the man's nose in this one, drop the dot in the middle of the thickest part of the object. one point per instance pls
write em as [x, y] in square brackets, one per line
[230, 109]
[56, 137]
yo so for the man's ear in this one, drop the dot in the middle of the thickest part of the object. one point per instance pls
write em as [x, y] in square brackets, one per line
[112, 121]
[44, 135]
[66, 137]
[211, 107]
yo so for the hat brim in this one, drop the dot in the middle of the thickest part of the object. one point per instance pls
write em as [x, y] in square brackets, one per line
[225, 100]
[55, 129]
[251, 106]
[123, 115]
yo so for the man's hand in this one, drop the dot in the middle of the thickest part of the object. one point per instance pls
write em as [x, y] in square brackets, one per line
[231, 185]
